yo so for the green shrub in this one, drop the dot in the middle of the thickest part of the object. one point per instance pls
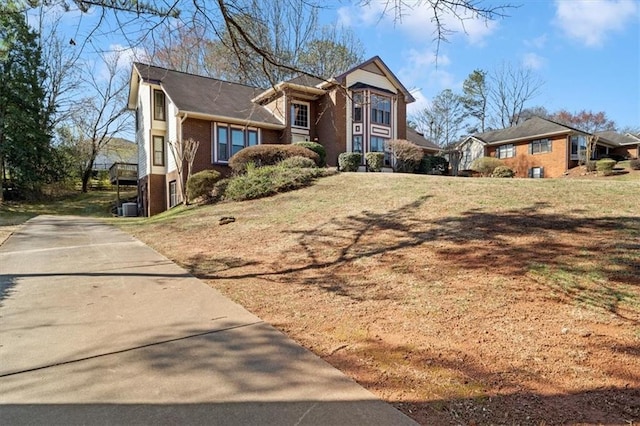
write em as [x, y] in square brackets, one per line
[299, 162]
[268, 155]
[375, 161]
[407, 155]
[260, 182]
[433, 164]
[635, 164]
[605, 166]
[485, 165]
[349, 161]
[503, 172]
[318, 149]
[219, 190]
[591, 165]
[201, 184]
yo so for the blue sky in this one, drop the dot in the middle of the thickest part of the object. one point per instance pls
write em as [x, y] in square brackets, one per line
[587, 52]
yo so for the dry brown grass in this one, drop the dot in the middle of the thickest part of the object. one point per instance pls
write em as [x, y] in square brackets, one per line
[458, 300]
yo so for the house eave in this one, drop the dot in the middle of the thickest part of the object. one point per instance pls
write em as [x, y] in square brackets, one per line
[315, 92]
[521, 139]
[231, 120]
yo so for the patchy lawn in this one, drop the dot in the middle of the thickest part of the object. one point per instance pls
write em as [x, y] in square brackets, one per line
[490, 301]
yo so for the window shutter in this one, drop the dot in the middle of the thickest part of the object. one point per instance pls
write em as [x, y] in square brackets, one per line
[530, 147]
[541, 172]
[530, 172]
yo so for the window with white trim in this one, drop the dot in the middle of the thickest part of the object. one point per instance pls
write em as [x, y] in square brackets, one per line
[357, 100]
[173, 194]
[357, 144]
[231, 140]
[578, 147]
[158, 150]
[380, 109]
[539, 146]
[536, 172]
[506, 151]
[159, 105]
[300, 115]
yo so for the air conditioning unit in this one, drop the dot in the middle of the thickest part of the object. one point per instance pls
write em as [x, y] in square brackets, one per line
[129, 209]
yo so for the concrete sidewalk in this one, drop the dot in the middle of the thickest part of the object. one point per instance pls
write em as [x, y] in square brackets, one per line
[96, 328]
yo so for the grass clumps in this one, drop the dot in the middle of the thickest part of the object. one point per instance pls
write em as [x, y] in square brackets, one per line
[259, 182]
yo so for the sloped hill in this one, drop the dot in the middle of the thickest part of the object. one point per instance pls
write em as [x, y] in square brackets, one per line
[478, 301]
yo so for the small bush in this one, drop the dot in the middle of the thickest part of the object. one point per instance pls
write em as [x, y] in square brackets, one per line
[635, 164]
[268, 155]
[485, 165]
[219, 190]
[259, 182]
[433, 164]
[375, 161]
[349, 161]
[201, 184]
[407, 155]
[591, 165]
[605, 166]
[318, 149]
[299, 162]
[502, 172]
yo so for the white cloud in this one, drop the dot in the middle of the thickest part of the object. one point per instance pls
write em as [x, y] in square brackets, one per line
[533, 61]
[592, 21]
[538, 42]
[420, 104]
[417, 20]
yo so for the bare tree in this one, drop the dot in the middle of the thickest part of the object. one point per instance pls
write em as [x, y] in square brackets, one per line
[102, 115]
[443, 119]
[184, 152]
[510, 90]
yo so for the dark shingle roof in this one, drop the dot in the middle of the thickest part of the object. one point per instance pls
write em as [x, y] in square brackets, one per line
[209, 96]
[419, 139]
[619, 138]
[533, 127]
[306, 80]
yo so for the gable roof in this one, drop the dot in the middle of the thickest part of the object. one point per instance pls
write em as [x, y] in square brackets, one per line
[619, 138]
[534, 127]
[418, 138]
[204, 96]
[385, 71]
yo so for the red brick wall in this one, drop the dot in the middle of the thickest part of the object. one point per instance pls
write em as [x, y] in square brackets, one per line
[402, 118]
[331, 127]
[555, 163]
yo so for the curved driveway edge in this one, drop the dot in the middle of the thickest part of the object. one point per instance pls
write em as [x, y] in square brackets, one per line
[96, 327]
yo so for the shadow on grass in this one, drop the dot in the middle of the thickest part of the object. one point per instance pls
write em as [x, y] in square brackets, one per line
[558, 250]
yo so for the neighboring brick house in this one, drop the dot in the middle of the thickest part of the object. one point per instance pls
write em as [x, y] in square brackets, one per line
[535, 148]
[628, 145]
[356, 111]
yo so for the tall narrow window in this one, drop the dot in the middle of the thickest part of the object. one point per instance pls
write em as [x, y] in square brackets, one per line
[578, 147]
[252, 138]
[158, 150]
[223, 143]
[173, 194]
[357, 144]
[237, 141]
[377, 144]
[159, 105]
[357, 107]
[380, 110]
[300, 115]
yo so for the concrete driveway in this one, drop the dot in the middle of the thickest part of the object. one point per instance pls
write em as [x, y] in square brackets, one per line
[97, 328]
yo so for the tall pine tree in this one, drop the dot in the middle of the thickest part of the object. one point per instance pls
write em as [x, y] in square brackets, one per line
[25, 145]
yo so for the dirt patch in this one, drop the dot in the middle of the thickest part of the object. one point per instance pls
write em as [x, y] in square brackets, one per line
[460, 301]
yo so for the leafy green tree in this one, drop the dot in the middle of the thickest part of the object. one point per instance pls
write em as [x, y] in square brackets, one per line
[25, 145]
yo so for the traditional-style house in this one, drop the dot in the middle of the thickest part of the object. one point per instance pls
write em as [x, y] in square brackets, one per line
[627, 144]
[356, 111]
[535, 148]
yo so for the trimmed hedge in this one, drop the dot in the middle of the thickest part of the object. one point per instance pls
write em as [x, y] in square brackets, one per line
[349, 161]
[318, 149]
[375, 161]
[433, 164]
[298, 162]
[605, 166]
[502, 172]
[268, 155]
[201, 184]
[485, 165]
[407, 154]
[259, 182]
